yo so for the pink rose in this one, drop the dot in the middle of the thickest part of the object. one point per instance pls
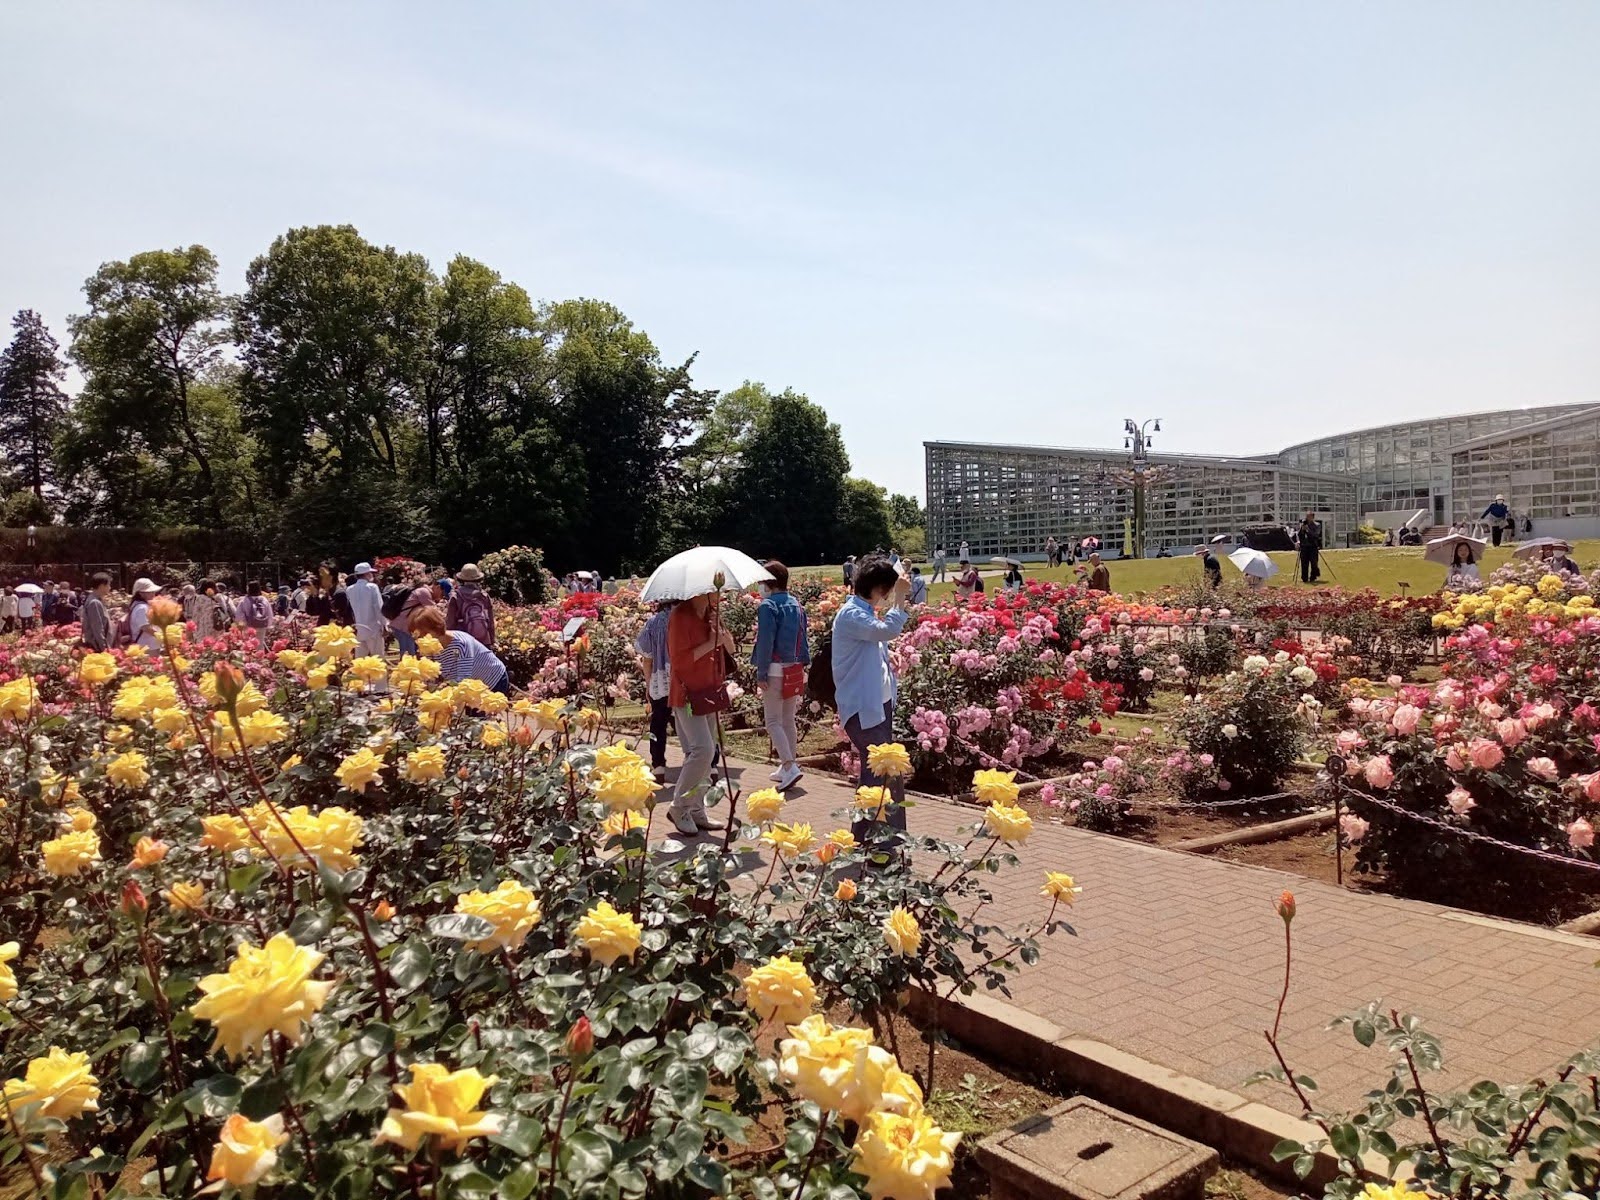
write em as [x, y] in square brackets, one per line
[1512, 732]
[1349, 740]
[1543, 768]
[1048, 797]
[1224, 786]
[1353, 827]
[1394, 681]
[1490, 711]
[1378, 772]
[1454, 759]
[1460, 801]
[1580, 834]
[1406, 718]
[1485, 755]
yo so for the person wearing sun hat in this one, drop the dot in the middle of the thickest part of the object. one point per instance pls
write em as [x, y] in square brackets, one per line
[470, 609]
[366, 607]
[140, 631]
[1498, 515]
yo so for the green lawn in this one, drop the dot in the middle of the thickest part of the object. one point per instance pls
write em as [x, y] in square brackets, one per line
[1379, 567]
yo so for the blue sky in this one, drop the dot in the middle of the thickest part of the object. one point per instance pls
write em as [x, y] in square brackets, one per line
[1262, 222]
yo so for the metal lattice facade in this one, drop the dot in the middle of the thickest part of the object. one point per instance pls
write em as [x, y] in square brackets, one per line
[1008, 499]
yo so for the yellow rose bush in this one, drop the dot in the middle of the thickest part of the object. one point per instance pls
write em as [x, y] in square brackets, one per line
[316, 916]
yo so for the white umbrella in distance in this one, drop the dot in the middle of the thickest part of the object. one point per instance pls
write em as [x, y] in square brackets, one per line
[1253, 562]
[1221, 538]
[28, 589]
[1443, 549]
[694, 573]
[1538, 546]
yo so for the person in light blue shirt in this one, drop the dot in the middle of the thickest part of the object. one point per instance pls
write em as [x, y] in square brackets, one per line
[919, 587]
[782, 652]
[863, 679]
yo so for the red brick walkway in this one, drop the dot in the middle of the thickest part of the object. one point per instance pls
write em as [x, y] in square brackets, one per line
[1179, 960]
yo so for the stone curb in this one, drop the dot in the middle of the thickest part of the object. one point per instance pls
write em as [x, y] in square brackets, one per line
[1243, 1129]
[1305, 823]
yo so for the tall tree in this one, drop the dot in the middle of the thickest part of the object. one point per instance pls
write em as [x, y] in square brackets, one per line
[154, 327]
[334, 335]
[788, 489]
[32, 404]
[863, 517]
[630, 420]
[906, 510]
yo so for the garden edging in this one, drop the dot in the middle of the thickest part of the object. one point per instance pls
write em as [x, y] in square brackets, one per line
[1244, 1129]
[1323, 818]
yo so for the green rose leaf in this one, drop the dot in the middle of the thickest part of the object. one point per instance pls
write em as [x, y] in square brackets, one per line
[141, 1063]
[587, 1155]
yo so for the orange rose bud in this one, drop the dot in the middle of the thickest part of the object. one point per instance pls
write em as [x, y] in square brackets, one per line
[133, 902]
[230, 682]
[580, 1039]
[164, 611]
[147, 853]
[522, 735]
[1285, 907]
[846, 890]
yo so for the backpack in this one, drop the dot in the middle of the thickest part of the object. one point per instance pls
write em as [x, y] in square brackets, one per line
[819, 682]
[978, 587]
[342, 611]
[122, 631]
[474, 614]
[394, 600]
[258, 613]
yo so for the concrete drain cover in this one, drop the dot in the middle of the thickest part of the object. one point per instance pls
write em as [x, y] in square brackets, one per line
[1082, 1150]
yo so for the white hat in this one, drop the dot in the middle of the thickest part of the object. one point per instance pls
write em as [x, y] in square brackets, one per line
[143, 585]
[1500, 496]
[363, 568]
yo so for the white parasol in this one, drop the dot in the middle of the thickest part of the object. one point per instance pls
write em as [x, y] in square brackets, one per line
[694, 573]
[1538, 546]
[1253, 562]
[28, 589]
[1221, 538]
[1443, 549]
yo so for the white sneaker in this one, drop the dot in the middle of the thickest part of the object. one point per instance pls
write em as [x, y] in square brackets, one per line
[776, 775]
[789, 776]
[684, 824]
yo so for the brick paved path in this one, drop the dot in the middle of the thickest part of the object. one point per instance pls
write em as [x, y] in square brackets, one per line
[1179, 959]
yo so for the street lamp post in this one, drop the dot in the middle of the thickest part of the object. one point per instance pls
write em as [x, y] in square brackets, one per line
[1136, 441]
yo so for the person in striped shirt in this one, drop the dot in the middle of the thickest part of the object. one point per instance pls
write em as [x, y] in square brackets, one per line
[463, 656]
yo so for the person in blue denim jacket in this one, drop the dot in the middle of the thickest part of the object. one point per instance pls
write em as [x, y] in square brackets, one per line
[781, 646]
[864, 681]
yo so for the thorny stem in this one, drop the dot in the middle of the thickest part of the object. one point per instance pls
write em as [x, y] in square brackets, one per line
[805, 1174]
[164, 1011]
[1422, 1096]
[561, 1120]
[22, 1144]
[292, 1111]
[1272, 1035]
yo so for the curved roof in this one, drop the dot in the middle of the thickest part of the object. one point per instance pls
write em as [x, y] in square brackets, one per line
[1533, 414]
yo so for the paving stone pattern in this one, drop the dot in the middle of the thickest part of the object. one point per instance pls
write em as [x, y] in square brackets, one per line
[1179, 959]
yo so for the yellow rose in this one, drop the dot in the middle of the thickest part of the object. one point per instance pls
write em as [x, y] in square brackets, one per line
[60, 1085]
[128, 770]
[359, 769]
[790, 841]
[267, 989]
[429, 645]
[293, 660]
[96, 669]
[902, 934]
[334, 641]
[846, 890]
[318, 679]
[17, 699]
[289, 763]
[1008, 823]
[1395, 1191]
[779, 989]
[185, 897]
[225, 833]
[410, 674]
[995, 787]
[511, 908]
[607, 934]
[819, 1060]
[263, 728]
[424, 764]
[491, 702]
[612, 756]
[627, 788]
[493, 736]
[170, 720]
[329, 836]
[147, 852]
[71, 852]
[8, 978]
[442, 1104]
[763, 806]
[79, 819]
[550, 714]
[622, 822]
[246, 1150]
[907, 1157]
[890, 760]
[1058, 885]
[369, 668]
[873, 798]
[587, 718]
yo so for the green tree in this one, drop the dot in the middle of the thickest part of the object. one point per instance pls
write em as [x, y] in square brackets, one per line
[154, 328]
[335, 335]
[715, 455]
[863, 518]
[32, 404]
[906, 510]
[786, 493]
[629, 420]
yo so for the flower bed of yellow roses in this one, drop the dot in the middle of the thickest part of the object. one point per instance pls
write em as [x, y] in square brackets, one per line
[320, 924]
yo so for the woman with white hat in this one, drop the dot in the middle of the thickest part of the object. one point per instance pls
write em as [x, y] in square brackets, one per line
[140, 631]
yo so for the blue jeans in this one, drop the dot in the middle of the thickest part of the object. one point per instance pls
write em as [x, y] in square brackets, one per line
[862, 737]
[408, 644]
